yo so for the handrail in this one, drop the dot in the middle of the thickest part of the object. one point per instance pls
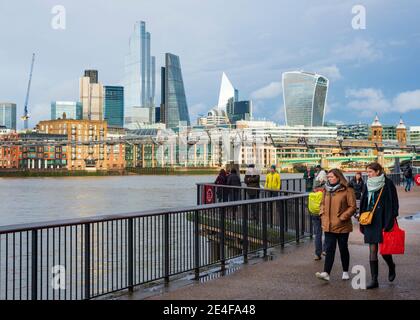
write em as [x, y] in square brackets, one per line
[147, 213]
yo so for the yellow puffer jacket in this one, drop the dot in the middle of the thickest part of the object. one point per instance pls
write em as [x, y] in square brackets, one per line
[273, 181]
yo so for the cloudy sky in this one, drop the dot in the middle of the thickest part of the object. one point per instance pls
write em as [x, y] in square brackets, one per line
[371, 70]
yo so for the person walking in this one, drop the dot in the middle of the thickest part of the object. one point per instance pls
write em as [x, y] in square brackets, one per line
[273, 179]
[408, 175]
[252, 180]
[314, 206]
[337, 208]
[309, 176]
[221, 192]
[357, 184]
[320, 176]
[379, 190]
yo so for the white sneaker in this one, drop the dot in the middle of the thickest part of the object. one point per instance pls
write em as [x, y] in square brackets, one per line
[323, 276]
[345, 276]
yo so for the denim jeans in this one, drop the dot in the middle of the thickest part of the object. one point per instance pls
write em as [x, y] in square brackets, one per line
[316, 223]
[331, 240]
[408, 184]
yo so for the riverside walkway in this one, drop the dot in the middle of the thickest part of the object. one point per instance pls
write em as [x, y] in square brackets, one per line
[291, 272]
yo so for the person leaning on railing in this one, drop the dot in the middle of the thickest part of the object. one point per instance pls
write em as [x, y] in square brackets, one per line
[273, 179]
[252, 180]
[221, 192]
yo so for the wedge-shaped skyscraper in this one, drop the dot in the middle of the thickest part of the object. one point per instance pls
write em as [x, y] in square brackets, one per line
[174, 108]
[305, 97]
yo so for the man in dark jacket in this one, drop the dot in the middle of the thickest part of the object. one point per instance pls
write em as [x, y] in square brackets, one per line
[234, 180]
[252, 180]
[408, 175]
[309, 176]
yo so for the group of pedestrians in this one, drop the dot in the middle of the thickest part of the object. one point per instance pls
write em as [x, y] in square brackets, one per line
[338, 203]
[232, 178]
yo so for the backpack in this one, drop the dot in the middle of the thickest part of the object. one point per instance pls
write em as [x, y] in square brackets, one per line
[314, 202]
[408, 173]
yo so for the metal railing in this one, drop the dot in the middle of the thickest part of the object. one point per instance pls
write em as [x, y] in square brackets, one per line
[91, 257]
[209, 193]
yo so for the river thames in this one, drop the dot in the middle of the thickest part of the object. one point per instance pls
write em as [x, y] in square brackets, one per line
[26, 200]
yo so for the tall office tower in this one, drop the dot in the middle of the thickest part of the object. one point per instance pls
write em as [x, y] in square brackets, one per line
[72, 110]
[93, 75]
[174, 105]
[140, 78]
[239, 110]
[91, 96]
[227, 91]
[8, 115]
[305, 96]
[114, 106]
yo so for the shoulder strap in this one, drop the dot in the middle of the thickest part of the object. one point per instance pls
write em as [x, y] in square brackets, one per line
[377, 200]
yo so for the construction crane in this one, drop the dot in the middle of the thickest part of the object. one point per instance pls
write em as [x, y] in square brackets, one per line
[25, 116]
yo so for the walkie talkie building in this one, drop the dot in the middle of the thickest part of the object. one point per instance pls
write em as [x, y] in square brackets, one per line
[305, 97]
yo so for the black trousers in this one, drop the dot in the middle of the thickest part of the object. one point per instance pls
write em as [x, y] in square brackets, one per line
[331, 240]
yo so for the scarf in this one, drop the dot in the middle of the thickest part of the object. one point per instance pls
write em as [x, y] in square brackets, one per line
[374, 184]
[332, 188]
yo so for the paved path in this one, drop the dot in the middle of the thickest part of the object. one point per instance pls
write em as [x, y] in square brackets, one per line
[291, 274]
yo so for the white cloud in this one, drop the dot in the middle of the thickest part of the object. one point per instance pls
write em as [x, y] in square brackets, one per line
[331, 72]
[407, 101]
[359, 50]
[369, 101]
[274, 89]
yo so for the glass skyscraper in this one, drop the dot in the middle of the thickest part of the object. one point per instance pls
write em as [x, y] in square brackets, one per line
[114, 106]
[305, 96]
[139, 79]
[174, 108]
[73, 110]
[175, 103]
[8, 115]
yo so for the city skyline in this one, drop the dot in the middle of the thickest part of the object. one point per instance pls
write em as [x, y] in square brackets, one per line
[370, 70]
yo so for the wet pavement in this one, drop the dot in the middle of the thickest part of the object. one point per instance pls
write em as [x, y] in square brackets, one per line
[290, 274]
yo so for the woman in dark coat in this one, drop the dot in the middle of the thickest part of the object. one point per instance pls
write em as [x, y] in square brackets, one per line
[222, 193]
[383, 218]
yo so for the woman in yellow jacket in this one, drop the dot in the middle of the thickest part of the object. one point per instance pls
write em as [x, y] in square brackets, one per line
[273, 180]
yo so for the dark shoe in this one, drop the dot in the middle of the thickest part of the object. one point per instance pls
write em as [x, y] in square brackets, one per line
[374, 273]
[392, 274]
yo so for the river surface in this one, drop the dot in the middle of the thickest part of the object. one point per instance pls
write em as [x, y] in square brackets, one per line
[26, 200]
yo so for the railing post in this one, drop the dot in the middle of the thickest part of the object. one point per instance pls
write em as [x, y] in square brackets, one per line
[264, 230]
[34, 267]
[87, 260]
[166, 247]
[281, 212]
[303, 207]
[297, 224]
[222, 226]
[130, 256]
[196, 246]
[245, 231]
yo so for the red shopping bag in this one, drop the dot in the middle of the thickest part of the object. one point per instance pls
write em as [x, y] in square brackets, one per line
[393, 241]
